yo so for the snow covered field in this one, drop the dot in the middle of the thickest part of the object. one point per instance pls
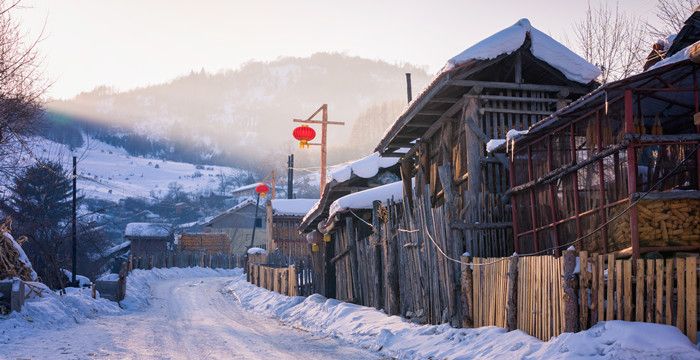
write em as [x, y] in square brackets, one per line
[215, 314]
[110, 173]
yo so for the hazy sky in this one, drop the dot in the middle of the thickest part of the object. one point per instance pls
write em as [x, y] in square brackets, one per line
[129, 43]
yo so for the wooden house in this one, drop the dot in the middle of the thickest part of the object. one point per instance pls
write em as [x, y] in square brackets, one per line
[238, 223]
[618, 170]
[510, 80]
[283, 219]
[149, 238]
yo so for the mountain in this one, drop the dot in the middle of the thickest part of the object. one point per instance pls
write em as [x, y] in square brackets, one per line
[243, 117]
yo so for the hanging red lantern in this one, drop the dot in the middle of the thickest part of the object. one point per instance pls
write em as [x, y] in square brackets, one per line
[262, 190]
[304, 134]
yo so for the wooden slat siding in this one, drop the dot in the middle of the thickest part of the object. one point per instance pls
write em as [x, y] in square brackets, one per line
[680, 281]
[618, 290]
[658, 308]
[639, 304]
[594, 289]
[601, 288]
[584, 289]
[669, 292]
[649, 299]
[609, 313]
[627, 274]
[691, 298]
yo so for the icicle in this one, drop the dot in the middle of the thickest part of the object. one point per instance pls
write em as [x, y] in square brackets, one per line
[606, 102]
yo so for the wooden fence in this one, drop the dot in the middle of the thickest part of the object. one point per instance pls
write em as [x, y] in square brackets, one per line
[543, 296]
[290, 280]
[187, 259]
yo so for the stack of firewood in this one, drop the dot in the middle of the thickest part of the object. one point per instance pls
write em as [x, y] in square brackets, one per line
[11, 264]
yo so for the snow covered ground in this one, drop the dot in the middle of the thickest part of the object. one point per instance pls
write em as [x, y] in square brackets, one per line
[169, 314]
[110, 173]
[394, 337]
[215, 314]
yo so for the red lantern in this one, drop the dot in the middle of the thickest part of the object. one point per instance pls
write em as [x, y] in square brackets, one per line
[304, 134]
[262, 190]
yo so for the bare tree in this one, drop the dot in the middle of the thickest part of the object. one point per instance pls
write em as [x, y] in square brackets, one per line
[670, 16]
[21, 83]
[612, 39]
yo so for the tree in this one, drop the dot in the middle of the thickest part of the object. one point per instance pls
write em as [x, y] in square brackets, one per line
[21, 87]
[670, 16]
[40, 205]
[613, 40]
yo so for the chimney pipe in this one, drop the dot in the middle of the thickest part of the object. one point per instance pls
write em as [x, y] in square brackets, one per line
[409, 92]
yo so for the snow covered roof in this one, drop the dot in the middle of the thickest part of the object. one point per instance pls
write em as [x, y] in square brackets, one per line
[543, 47]
[292, 207]
[364, 199]
[256, 251]
[366, 167]
[692, 51]
[545, 62]
[139, 229]
[239, 206]
[245, 187]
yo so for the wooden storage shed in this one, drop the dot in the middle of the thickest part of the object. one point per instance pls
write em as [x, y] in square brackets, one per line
[149, 238]
[211, 243]
[283, 219]
[617, 171]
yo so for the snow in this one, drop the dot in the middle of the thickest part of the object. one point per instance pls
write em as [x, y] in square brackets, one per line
[138, 229]
[513, 134]
[292, 207]
[110, 173]
[83, 281]
[22, 255]
[395, 337]
[543, 47]
[256, 251]
[494, 144]
[116, 248]
[677, 57]
[366, 167]
[364, 199]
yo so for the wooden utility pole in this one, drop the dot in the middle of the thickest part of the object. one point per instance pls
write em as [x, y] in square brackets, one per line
[324, 137]
[74, 231]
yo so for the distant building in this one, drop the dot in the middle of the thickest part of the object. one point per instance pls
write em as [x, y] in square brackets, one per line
[149, 238]
[212, 243]
[237, 222]
[283, 219]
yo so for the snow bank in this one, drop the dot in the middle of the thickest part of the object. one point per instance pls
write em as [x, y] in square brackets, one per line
[543, 47]
[83, 281]
[364, 199]
[366, 167]
[398, 338]
[292, 207]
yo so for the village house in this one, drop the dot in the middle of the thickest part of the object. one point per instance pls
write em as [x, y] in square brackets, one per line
[239, 224]
[148, 239]
[283, 219]
[210, 243]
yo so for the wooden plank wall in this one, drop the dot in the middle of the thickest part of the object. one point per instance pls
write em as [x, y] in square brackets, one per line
[662, 291]
[187, 259]
[283, 280]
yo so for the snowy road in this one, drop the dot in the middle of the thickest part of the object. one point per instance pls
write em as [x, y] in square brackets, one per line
[188, 319]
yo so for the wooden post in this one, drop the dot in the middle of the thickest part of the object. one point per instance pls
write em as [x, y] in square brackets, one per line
[570, 299]
[352, 245]
[467, 293]
[377, 249]
[512, 309]
[391, 268]
[631, 172]
[94, 291]
[471, 114]
[292, 281]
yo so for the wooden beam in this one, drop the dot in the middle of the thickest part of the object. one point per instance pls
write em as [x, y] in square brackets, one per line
[518, 99]
[514, 111]
[444, 100]
[318, 122]
[514, 86]
[429, 113]
[480, 226]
